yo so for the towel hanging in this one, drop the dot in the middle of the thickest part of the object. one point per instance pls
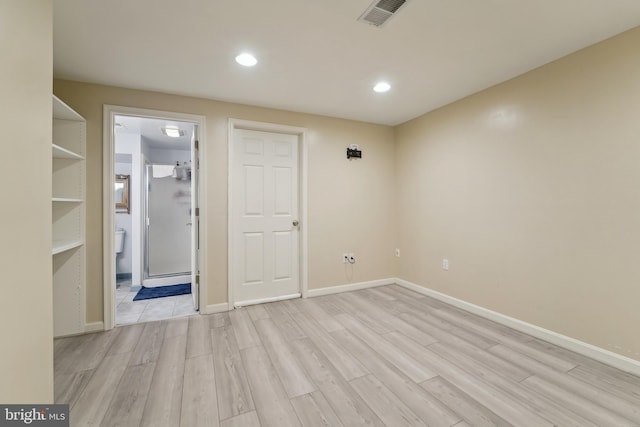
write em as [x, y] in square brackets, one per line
[161, 171]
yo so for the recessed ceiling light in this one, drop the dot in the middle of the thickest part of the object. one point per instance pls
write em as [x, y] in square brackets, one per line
[382, 87]
[246, 59]
[172, 131]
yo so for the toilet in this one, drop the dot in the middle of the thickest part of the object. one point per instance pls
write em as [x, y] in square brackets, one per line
[119, 242]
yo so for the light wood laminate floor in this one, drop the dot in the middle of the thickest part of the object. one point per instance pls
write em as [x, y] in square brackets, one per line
[378, 357]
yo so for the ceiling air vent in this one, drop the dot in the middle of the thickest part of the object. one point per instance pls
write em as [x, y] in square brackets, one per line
[380, 11]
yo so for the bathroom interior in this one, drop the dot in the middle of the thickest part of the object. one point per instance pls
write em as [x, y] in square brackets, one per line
[153, 221]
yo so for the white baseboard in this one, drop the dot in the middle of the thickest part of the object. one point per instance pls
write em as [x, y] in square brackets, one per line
[265, 300]
[349, 287]
[215, 308]
[93, 327]
[610, 358]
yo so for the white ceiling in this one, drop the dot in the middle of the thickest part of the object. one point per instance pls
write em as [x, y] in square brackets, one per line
[315, 57]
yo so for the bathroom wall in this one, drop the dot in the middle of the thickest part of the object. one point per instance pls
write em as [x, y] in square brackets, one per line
[131, 144]
[168, 156]
[123, 220]
[139, 151]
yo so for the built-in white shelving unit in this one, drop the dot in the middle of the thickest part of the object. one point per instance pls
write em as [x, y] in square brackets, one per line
[62, 153]
[68, 212]
[66, 199]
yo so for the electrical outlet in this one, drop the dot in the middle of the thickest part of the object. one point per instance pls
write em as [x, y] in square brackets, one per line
[397, 253]
[348, 258]
[445, 264]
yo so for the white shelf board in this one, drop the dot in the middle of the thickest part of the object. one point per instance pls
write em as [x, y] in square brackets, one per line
[62, 153]
[60, 246]
[62, 111]
[66, 200]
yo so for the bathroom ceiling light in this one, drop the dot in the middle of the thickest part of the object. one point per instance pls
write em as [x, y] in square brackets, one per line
[172, 131]
[246, 59]
[381, 87]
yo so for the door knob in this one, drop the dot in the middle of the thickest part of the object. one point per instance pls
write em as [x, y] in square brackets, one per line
[296, 223]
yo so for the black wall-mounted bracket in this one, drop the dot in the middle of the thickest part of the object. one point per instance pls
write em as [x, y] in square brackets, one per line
[354, 152]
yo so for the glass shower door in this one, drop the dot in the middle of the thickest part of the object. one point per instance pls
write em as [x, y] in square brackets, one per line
[168, 243]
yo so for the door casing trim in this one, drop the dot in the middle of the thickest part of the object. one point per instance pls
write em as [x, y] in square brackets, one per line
[108, 176]
[301, 133]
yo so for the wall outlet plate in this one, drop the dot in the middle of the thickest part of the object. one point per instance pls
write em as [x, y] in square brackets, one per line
[445, 264]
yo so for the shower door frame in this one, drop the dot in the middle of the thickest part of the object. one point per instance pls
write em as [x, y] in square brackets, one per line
[145, 271]
[108, 179]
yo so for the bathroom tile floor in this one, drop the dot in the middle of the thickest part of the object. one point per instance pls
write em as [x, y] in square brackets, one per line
[130, 311]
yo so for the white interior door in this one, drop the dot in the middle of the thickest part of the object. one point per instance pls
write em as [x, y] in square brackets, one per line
[265, 208]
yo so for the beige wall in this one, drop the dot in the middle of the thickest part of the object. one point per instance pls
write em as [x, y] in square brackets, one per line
[531, 189]
[26, 318]
[351, 204]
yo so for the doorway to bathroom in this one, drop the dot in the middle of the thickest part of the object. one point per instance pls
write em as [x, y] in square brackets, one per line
[155, 271]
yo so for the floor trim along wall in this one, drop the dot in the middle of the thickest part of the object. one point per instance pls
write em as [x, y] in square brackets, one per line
[597, 353]
[265, 300]
[349, 287]
[215, 308]
[600, 354]
[93, 327]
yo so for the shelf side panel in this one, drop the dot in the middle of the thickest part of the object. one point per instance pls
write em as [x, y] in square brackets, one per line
[68, 292]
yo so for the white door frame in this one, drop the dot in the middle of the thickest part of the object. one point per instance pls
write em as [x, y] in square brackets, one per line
[301, 133]
[108, 180]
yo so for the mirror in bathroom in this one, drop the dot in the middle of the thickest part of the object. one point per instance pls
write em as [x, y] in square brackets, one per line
[121, 194]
